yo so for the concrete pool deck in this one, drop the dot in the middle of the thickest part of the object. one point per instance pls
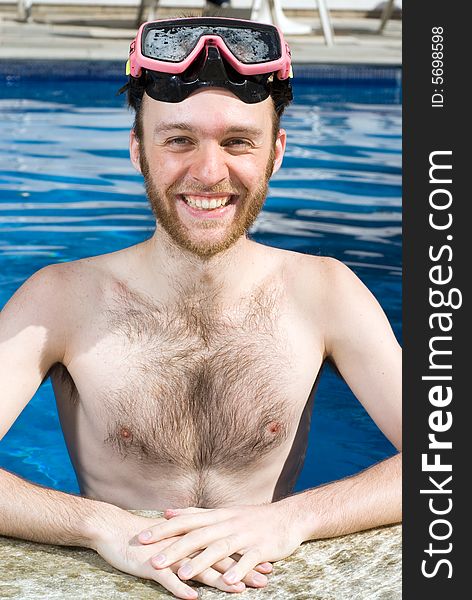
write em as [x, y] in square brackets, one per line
[356, 41]
[361, 566]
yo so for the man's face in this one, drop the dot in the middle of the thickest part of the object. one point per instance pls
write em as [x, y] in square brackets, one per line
[206, 162]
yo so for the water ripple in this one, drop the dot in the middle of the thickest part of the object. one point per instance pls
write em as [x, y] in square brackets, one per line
[69, 174]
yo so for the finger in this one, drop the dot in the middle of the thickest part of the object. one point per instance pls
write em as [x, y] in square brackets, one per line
[213, 578]
[224, 565]
[215, 552]
[172, 583]
[265, 567]
[174, 512]
[252, 579]
[245, 564]
[173, 527]
[196, 540]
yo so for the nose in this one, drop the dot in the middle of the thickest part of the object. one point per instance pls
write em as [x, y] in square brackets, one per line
[209, 164]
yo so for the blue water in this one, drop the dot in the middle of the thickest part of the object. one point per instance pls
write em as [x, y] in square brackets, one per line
[67, 190]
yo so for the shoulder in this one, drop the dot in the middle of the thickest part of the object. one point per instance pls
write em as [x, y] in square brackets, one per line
[58, 292]
[333, 281]
[319, 280]
[352, 315]
[41, 292]
[330, 293]
[313, 265]
[338, 290]
[342, 285]
[35, 318]
[63, 281]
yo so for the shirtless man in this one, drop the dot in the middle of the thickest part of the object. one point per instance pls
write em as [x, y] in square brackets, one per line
[182, 365]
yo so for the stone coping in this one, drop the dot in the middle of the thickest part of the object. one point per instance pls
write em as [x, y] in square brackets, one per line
[361, 566]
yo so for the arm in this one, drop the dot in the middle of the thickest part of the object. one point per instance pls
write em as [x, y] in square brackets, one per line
[359, 339]
[33, 332]
[34, 328]
[369, 499]
[39, 514]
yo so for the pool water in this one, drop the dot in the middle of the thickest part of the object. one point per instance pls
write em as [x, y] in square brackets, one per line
[67, 190]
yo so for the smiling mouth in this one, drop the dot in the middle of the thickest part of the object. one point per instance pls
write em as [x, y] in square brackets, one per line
[208, 203]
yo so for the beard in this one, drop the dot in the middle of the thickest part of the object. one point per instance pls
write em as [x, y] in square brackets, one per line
[164, 207]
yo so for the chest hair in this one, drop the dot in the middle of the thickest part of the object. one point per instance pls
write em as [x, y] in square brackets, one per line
[200, 387]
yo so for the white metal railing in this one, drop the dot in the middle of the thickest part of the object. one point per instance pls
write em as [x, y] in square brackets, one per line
[354, 5]
[262, 10]
[24, 9]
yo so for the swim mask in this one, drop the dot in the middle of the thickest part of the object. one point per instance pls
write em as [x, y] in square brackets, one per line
[180, 56]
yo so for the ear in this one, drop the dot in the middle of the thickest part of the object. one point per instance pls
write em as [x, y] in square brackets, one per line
[280, 145]
[134, 150]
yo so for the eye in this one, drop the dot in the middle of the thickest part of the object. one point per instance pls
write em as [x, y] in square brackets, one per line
[179, 141]
[238, 143]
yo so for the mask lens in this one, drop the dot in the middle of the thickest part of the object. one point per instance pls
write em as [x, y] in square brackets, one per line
[174, 43]
[251, 46]
[171, 44]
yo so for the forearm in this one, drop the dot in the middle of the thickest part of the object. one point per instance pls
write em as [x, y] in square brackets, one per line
[369, 499]
[39, 514]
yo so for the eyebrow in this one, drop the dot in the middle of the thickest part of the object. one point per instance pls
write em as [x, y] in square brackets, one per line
[182, 126]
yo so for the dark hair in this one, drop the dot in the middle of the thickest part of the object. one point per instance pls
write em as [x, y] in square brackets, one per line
[280, 92]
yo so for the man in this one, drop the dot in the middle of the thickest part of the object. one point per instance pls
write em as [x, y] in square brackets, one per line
[182, 365]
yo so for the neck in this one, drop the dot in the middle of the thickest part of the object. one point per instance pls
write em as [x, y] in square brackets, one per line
[175, 270]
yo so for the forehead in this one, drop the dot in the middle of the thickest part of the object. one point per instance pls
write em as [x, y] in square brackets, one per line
[209, 111]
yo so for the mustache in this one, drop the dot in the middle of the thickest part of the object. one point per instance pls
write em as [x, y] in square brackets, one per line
[180, 188]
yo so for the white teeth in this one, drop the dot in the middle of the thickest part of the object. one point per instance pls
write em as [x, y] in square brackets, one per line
[204, 203]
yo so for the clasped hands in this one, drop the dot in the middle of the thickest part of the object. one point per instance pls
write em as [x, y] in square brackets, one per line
[227, 548]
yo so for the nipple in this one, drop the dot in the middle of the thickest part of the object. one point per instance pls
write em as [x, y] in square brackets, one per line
[274, 427]
[125, 433]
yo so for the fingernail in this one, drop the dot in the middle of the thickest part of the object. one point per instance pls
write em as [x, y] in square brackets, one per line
[258, 578]
[238, 587]
[159, 559]
[192, 594]
[267, 566]
[145, 535]
[185, 571]
[231, 577]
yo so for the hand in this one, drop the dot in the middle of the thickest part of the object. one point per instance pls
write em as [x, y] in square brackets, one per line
[257, 533]
[117, 543]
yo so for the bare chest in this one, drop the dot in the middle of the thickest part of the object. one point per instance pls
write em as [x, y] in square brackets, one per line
[192, 389]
